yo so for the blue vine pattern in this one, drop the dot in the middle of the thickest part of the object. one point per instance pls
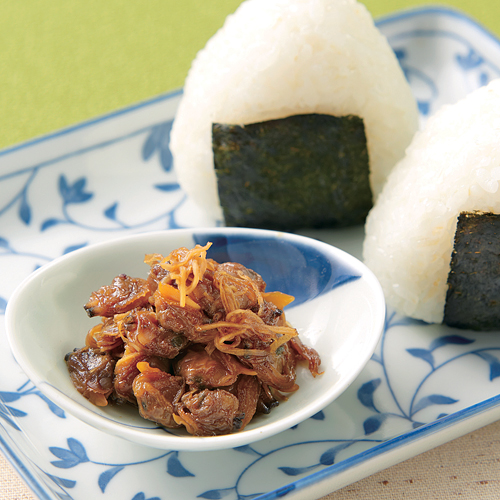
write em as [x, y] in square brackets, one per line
[74, 192]
[367, 391]
[158, 143]
[8, 412]
[472, 64]
[75, 454]
[327, 458]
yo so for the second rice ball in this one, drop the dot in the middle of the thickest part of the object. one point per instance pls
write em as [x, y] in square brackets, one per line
[433, 236]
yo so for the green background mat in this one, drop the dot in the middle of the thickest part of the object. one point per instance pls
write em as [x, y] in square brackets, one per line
[66, 61]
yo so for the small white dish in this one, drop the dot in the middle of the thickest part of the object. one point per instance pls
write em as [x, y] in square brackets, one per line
[339, 310]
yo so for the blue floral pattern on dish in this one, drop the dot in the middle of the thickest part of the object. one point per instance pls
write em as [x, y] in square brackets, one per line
[55, 200]
[366, 393]
[158, 142]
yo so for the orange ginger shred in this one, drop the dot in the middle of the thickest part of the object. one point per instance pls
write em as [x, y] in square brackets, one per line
[172, 294]
[186, 266]
[279, 299]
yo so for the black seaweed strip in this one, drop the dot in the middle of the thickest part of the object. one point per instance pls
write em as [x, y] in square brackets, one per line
[473, 296]
[301, 171]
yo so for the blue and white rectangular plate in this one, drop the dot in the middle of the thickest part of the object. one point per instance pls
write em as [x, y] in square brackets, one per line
[110, 177]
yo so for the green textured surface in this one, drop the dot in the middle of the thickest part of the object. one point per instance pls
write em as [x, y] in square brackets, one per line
[64, 61]
[301, 171]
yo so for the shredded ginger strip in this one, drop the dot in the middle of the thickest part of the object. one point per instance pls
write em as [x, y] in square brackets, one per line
[243, 323]
[185, 266]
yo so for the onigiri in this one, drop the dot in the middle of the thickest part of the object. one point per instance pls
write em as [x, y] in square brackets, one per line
[450, 175]
[286, 58]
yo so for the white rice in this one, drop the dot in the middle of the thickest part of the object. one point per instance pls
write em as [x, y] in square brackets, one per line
[276, 58]
[453, 165]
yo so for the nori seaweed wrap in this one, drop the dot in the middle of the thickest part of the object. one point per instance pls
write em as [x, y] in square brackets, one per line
[308, 170]
[473, 296]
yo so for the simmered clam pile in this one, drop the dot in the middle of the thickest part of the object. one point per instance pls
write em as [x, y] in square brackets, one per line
[197, 344]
